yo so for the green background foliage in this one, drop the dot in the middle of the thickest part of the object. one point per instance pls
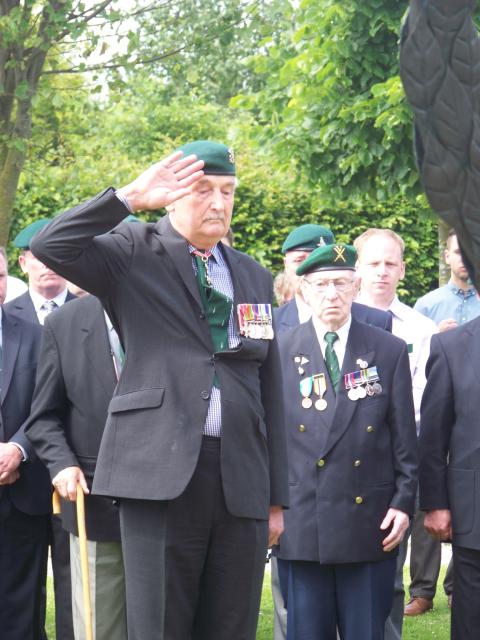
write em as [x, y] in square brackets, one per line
[316, 115]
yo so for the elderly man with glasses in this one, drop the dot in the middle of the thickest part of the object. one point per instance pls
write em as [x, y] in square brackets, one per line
[352, 459]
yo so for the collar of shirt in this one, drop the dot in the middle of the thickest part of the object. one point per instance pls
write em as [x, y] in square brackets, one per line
[304, 311]
[339, 345]
[1, 320]
[38, 300]
[461, 292]
[215, 252]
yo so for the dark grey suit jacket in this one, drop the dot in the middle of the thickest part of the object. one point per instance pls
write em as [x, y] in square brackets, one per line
[450, 431]
[22, 307]
[31, 493]
[286, 316]
[75, 383]
[365, 449]
[144, 278]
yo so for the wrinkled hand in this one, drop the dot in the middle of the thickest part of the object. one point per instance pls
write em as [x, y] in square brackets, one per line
[399, 521]
[447, 324]
[10, 458]
[275, 525]
[9, 478]
[66, 480]
[438, 523]
[163, 182]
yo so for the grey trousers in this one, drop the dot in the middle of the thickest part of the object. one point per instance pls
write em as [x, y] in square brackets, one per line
[107, 590]
[279, 611]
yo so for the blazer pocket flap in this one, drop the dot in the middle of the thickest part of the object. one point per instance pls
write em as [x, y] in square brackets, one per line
[143, 399]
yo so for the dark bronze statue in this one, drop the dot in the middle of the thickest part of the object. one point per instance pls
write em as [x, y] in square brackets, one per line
[440, 71]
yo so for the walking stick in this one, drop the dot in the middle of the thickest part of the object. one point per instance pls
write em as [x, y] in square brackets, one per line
[82, 539]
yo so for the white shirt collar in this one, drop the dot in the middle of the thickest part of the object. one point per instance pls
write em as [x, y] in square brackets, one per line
[38, 300]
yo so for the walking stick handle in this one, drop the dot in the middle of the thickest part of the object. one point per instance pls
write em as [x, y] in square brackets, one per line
[56, 504]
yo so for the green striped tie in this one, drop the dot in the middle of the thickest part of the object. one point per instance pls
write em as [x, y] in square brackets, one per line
[331, 359]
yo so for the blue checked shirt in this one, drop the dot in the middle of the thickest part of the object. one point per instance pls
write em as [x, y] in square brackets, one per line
[221, 281]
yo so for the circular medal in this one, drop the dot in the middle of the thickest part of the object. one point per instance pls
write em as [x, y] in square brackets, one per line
[352, 394]
[321, 404]
[377, 387]
[369, 390]
[301, 371]
[307, 403]
[361, 392]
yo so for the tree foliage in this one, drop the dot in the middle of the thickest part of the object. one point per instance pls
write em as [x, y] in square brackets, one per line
[333, 109]
[42, 40]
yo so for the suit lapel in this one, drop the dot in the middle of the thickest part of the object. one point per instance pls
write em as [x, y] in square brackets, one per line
[97, 346]
[345, 408]
[177, 248]
[24, 307]
[10, 346]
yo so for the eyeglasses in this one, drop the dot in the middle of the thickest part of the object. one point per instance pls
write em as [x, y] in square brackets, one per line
[342, 285]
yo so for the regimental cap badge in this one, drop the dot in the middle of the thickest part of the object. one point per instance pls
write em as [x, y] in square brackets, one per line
[231, 155]
[328, 258]
[321, 242]
[339, 251]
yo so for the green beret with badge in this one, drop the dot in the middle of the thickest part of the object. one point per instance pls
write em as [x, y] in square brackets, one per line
[329, 258]
[218, 158]
[307, 237]
[23, 239]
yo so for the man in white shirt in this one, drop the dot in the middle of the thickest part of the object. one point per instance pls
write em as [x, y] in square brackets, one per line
[381, 267]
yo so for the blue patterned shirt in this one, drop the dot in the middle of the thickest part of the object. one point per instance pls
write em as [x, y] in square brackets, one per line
[222, 281]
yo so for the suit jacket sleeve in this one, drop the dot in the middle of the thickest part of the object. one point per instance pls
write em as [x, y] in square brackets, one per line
[272, 389]
[45, 426]
[77, 244]
[437, 419]
[404, 438]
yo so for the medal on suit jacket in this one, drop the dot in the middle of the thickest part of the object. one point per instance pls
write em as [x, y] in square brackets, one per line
[319, 387]
[255, 321]
[306, 386]
[361, 383]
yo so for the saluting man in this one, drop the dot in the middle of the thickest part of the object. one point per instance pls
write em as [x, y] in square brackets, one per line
[352, 459]
[194, 443]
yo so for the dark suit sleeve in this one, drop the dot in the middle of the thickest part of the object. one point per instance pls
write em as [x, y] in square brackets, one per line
[271, 389]
[45, 427]
[437, 419]
[404, 437]
[77, 244]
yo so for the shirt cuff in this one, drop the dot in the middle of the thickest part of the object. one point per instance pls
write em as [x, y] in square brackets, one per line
[123, 200]
[22, 450]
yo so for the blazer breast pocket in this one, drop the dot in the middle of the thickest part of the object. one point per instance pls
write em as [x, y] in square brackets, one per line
[140, 399]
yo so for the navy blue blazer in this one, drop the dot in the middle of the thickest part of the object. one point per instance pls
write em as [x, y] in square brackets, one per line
[286, 316]
[352, 461]
[32, 492]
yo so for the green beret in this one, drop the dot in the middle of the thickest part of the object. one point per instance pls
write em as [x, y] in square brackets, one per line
[307, 238]
[329, 258]
[219, 160]
[24, 238]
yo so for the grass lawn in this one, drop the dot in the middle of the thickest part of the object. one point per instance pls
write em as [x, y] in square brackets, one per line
[434, 625]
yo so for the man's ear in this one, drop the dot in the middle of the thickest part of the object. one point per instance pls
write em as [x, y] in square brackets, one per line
[21, 262]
